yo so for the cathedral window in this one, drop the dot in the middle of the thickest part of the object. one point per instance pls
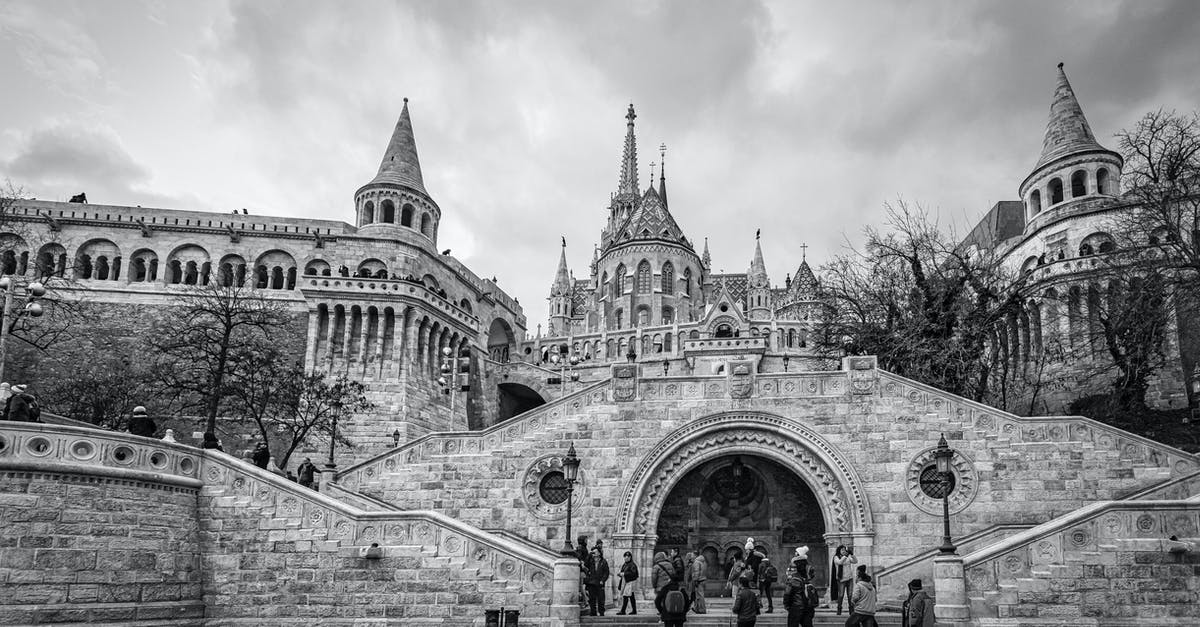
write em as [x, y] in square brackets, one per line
[604, 284]
[668, 315]
[668, 279]
[619, 281]
[644, 275]
[389, 212]
[617, 318]
[1035, 202]
[406, 215]
[1078, 184]
[1056, 191]
[687, 281]
[1102, 182]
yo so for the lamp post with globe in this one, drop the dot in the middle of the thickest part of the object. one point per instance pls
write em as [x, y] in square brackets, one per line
[16, 305]
[570, 465]
[942, 456]
[562, 363]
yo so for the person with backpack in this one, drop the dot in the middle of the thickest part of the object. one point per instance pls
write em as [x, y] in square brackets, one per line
[801, 598]
[767, 576]
[698, 577]
[735, 577]
[918, 607]
[22, 406]
[662, 573]
[746, 605]
[674, 605]
[862, 600]
[627, 578]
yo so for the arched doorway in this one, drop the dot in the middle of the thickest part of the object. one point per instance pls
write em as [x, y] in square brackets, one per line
[501, 341]
[717, 505]
[514, 399]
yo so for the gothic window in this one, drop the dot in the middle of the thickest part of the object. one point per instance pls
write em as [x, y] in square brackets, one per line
[406, 215]
[617, 318]
[1056, 191]
[1035, 202]
[643, 316]
[604, 284]
[687, 281]
[389, 212]
[1078, 184]
[643, 277]
[619, 281]
[1102, 182]
[668, 315]
[368, 213]
[668, 279]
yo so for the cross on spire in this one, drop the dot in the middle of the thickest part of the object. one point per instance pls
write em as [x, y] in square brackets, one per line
[803, 252]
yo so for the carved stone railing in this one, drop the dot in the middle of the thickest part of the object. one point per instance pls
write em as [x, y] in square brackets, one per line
[474, 442]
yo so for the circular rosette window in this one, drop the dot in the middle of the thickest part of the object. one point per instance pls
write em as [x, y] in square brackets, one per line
[545, 489]
[926, 486]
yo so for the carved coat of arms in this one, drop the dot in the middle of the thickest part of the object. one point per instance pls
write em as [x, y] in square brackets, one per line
[625, 382]
[741, 380]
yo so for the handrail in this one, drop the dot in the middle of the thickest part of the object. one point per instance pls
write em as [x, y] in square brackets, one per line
[496, 428]
[960, 541]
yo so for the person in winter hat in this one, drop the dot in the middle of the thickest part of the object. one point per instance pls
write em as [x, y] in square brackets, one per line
[918, 607]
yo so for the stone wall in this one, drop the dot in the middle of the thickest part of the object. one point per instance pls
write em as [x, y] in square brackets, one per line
[1109, 564]
[97, 530]
[862, 436]
[107, 528]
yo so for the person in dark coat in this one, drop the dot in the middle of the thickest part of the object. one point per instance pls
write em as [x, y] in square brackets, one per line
[677, 561]
[595, 581]
[627, 584]
[669, 618]
[307, 471]
[262, 455]
[798, 598]
[746, 605]
[211, 441]
[141, 424]
[918, 607]
[22, 406]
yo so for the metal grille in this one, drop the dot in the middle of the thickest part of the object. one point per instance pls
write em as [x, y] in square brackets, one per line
[554, 488]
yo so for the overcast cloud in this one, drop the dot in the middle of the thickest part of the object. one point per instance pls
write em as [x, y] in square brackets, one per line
[797, 118]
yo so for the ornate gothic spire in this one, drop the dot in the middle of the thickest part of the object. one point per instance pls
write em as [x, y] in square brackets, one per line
[562, 278]
[706, 259]
[629, 170]
[400, 165]
[758, 270]
[662, 176]
[1067, 130]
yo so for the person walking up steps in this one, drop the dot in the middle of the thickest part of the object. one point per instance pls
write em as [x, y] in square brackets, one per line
[863, 602]
[699, 576]
[767, 576]
[746, 605]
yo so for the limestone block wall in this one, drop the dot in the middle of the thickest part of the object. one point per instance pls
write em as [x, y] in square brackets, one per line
[880, 428]
[97, 528]
[1108, 563]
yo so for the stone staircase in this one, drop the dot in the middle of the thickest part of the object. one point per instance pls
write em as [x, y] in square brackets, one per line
[720, 614]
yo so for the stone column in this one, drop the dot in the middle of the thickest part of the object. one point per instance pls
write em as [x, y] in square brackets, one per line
[313, 354]
[564, 595]
[950, 590]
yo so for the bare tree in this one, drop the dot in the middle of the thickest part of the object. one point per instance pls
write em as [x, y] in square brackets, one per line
[218, 332]
[918, 300]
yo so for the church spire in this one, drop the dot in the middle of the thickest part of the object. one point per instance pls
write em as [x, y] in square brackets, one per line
[662, 176]
[400, 165]
[629, 170]
[562, 278]
[1067, 130]
[706, 259]
[758, 269]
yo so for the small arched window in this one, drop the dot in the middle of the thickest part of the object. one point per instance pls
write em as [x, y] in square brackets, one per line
[643, 277]
[1056, 191]
[604, 284]
[389, 212]
[687, 281]
[1035, 202]
[1085, 249]
[668, 315]
[619, 282]
[368, 213]
[1102, 185]
[425, 222]
[1107, 246]
[1079, 184]
[616, 323]
[668, 279]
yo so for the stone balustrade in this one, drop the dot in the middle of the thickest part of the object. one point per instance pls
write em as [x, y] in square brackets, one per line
[392, 289]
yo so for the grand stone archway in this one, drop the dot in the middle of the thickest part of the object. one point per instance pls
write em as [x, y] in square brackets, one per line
[765, 438]
[718, 505]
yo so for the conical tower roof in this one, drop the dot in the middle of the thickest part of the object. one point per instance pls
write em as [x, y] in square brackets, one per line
[804, 286]
[1067, 130]
[562, 278]
[758, 269]
[650, 220]
[400, 165]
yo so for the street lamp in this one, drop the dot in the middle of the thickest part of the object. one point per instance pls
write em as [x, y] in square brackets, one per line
[396, 438]
[570, 465]
[942, 456]
[33, 309]
[557, 360]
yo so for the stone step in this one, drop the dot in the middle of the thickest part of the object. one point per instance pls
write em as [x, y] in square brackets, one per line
[720, 614]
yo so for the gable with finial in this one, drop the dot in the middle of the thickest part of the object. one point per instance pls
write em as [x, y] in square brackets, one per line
[724, 310]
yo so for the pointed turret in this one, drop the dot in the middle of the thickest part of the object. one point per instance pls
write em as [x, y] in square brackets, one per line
[706, 258]
[560, 295]
[400, 165]
[562, 278]
[1067, 130]
[662, 175]
[758, 285]
[758, 270]
[628, 184]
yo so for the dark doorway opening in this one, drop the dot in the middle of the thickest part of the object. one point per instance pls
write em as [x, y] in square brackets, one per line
[515, 399]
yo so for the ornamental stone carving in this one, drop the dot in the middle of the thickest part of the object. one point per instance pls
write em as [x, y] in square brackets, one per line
[531, 488]
[624, 382]
[741, 379]
[966, 482]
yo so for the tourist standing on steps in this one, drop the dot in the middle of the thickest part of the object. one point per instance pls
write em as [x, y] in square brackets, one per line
[754, 558]
[662, 573]
[862, 600]
[677, 562]
[307, 472]
[800, 599]
[918, 608]
[585, 560]
[841, 576]
[767, 575]
[595, 581]
[699, 571]
[261, 455]
[627, 586]
[734, 583]
[746, 604]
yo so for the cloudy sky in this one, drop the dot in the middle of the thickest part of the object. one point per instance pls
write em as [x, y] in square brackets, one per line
[799, 118]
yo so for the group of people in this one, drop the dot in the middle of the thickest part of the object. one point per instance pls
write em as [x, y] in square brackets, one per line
[20, 405]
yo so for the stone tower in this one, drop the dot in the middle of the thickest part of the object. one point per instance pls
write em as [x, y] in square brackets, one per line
[395, 203]
[758, 286]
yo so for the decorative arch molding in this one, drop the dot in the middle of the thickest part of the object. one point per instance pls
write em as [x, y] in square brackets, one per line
[833, 480]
